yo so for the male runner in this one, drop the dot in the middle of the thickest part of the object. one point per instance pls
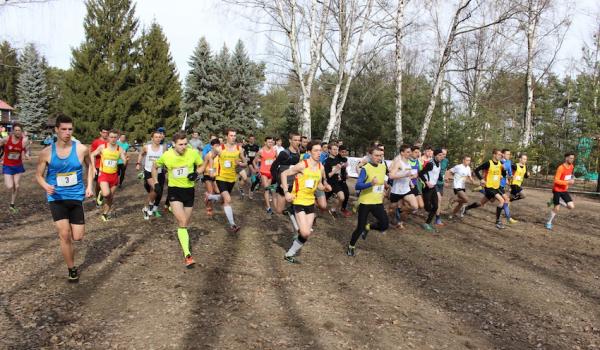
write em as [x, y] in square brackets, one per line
[343, 155]
[308, 175]
[121, 164]
[64, 186]
[429, 175]
[279, 145]
[335, 170]
[440, 187]
[251, 150]
[520, 173]
[493, 173]
[211, 160]
[266, 156]
[460, 173]
[102, 139]
[505, 182]
[149, 154]
[108, 178]
[401, 173]
[417, 185]
[195, 142]
[184, 166]
[285, 160]
[208, 147]
[370, 183]
[562, 179]
[15, 148]
[229, 157]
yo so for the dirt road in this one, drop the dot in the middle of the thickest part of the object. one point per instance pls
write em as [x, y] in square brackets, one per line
[469, 287]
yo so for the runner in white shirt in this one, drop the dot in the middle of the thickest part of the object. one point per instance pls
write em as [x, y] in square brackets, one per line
[460, 173]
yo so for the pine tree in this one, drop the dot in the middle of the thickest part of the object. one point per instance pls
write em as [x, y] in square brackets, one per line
[246, 79]
[159, 83]
[31, 91]
[9, 73]
[101, 88]
[202, 91]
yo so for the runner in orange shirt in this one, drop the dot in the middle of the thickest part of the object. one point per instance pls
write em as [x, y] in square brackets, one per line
[563, 178]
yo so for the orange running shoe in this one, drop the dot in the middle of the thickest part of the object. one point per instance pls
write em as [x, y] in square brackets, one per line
[189, 262]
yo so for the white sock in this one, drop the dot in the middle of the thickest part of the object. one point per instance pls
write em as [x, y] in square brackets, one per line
[214, 197]
[294, 222]
[552, 215]
[229, 214]
[296, 246]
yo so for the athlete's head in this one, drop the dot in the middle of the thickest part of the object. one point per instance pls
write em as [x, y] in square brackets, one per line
[269, 141]
[63, 127]
[428, 151]
[123, 138]
[17, 130]
[445, 151]
[314, 149]
[343, 151]
[466, 161]
[231, 136]
[180, 142]
[376, 154]
[569, 158]
[113, 136]
[104, 133]
[523, 158]
[506, 154]
[405, 151]
[439, 154]
[251, 139]
[278, 141]
[324, 147]
[496, 154]
[195, 135]
[304, 141]
[215, 145]
[416, 151]
[295, 140]
[156, 137]
[334, 150]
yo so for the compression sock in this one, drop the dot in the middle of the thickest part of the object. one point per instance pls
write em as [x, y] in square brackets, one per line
[184, 240]
[506, 210]
[551, 217]
[498, 212]
[472, 206]
[296, 246]
[229, 213]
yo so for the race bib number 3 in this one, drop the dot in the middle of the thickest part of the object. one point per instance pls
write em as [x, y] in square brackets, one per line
[14, 155]
[179, 173]
[227, 164]
[310, 183]
[66, 179]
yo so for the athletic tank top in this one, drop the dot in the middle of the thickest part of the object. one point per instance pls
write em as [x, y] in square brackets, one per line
[494, 175]
[108, 159]
[227, 162]
[266, 159]
[519, 175]
[373, 194]
[214, 166]
[402, 185]
[306, 184]
[13, 152]
[66, 175]
[415, 167]
[433, 174]
[152, 156]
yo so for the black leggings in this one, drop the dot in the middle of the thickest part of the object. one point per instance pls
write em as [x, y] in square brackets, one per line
[346, 195]
[121, 170]
[378, 212]
[430, 198]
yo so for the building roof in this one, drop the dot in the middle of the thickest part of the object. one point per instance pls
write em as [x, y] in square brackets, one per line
[5, 106]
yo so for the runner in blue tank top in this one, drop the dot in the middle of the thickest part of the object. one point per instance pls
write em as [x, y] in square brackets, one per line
[64, 186]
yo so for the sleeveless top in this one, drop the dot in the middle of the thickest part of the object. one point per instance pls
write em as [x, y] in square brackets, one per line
[227, 162]
[519, 175]
[266, 159]
[402, 185]
[13, 152]
[373, 194]
[66, 175]
[152, 156]
[494, 175]
[306, 184]
[109, 159]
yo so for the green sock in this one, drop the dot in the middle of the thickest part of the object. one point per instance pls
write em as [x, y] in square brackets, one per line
[184, 240]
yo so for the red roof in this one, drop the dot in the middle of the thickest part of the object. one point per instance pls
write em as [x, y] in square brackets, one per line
[4, 105]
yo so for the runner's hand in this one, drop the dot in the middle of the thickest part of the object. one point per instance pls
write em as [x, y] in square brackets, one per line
[289, 197]
[193, 176]
[89, 193]
[375, 181]
[49, 189]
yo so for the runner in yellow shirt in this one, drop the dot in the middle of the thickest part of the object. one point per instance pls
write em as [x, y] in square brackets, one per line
[184, 166]
[108, 173]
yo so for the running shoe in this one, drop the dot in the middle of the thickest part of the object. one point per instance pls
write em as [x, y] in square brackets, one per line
[13, 209]
[440, 224]
[73, 276]
[233, 229]
[104, 217]
[333, 213]
[140, 175]
[346, 213]
[99, 199]
[146, 214]
[157, 214]
[428, 227]
[548, 226]
[351, 251]
[270, 211]
[512, 221]
[463, 211]
[499, 225]
[366, 231]
[291, 259]
[189, 262]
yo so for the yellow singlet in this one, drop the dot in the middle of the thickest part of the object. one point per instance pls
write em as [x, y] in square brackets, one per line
[519, 175]
[306, 184]
[227, 162]
[109, 159]
[494, 175]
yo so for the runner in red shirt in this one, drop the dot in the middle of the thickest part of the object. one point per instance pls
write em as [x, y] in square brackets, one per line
[95, 144]
[563, 178]
[15, 148]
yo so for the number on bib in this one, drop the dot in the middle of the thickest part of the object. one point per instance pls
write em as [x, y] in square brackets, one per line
[14, 155]
[227, 164]
[251, 154]
[110, 163]
[310, 183]
[66, 179]
[378, 189]
[518, 178]
[179, 173]
[568, 177]
[496, 177]
[269, 161]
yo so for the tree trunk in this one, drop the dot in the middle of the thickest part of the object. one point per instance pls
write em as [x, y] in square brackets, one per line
[399, 34]
[305, 123]
[439, 74]
[528, 113]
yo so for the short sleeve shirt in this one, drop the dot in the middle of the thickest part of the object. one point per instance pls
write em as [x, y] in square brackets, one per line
[179, 166]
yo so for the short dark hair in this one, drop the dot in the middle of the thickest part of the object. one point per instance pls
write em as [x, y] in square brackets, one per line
[324, 143]
[342, 147]
[62, 119]
[17, 125]
[504, 150]
[466, 156]
[215, 142]
[277, 139]
[114, 131]
[374, 148]
[495, 150]
[311, 144]
[303, 137]
[568, 154]
[154, 133]
[249, 136]
[292, 134]
[415, 147]
[437, 151]
[267, 138]
[180, 135]
[228, 130]
[404, 147]
[427, 147]
[522, 154]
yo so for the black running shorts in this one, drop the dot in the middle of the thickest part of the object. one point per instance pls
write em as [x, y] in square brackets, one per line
[71, 210]
[556, 196]
[225, 186]
[456, 190]
[183, 195]
[515, 189]
[307, 209]
[490, 193]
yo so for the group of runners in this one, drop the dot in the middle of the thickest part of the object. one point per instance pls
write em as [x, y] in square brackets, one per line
[299, 182]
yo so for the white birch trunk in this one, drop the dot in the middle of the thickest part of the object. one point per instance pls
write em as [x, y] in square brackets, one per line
[398, 99]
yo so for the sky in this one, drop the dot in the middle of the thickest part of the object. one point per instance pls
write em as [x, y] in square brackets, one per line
[56, 27]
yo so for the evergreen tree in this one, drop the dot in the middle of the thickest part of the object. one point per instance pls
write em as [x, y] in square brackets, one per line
[223, 99]
[9, 73]
[159, 83]
[101, 88]
[55, 82]
[31, 91]
[202, 94]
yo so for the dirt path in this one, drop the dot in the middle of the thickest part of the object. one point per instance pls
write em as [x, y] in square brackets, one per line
[469, 287]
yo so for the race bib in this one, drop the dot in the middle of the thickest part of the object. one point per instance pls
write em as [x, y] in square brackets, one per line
[568, 177]
[269, 161]
[518, 178]
[14, 155]
[496, 177]
[378, 189]
[251, 154]
[227, 164]
[310, 183]
[179, 173]
[66, 179]
[109, 163]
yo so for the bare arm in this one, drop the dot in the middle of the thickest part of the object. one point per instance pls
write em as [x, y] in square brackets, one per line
[256, 159]
[91, 171]
[40, 170]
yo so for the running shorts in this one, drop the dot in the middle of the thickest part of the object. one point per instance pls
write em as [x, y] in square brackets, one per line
[208, 178]
[556, 197]
[515, 189]
[456, 190]
[71, 210]
[148, 175]
[490, 193]
[225, 186]
[415, 191]
[395, 198]
[111, 179]
[183, 195]
[307, 209]
[439, 188]
[266, 174]
[12, 169]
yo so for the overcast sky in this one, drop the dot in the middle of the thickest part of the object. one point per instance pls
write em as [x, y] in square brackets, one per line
[57, 26]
